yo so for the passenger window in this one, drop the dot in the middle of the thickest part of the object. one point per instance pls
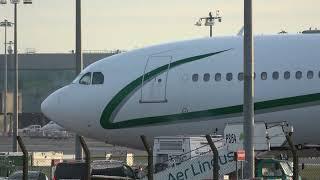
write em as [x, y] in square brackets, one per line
[206, 77]
[195, 77]
[97, 78]
[217, 77]
[275, 75]
[310, 74]
[264, 75]
[85, 79]
[298, 75]
[240, 76]
[286, 75]
[229, 76]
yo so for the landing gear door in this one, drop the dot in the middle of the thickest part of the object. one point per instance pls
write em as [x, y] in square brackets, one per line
[154, 81]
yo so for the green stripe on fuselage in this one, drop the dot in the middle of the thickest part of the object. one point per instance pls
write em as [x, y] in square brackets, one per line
[106, 118]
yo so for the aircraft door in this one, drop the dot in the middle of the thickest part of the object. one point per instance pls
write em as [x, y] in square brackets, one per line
[154, 82]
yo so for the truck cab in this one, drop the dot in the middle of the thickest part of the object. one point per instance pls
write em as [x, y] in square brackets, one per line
[274, 169]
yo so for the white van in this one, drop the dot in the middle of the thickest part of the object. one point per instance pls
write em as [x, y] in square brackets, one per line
[172, 150]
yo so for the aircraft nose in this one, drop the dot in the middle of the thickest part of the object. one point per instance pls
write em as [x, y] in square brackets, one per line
[50, 107]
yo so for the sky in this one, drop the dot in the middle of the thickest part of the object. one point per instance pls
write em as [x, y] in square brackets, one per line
[49, 25]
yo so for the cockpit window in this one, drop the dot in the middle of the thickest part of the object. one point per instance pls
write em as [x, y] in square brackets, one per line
[85, 79]
[97, 78]
[76, 80]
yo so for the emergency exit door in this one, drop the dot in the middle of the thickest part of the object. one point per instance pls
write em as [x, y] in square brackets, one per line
[154, 82]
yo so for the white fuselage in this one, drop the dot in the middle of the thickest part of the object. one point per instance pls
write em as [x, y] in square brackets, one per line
[175, 89]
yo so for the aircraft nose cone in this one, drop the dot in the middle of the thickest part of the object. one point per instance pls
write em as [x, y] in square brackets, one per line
[49, 107]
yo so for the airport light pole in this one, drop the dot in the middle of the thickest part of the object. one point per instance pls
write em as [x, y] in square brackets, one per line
[209, 21]
[5, 24]
[10, 51]
[79, 67]
[16, 75]
[16, 84]
[248, 96]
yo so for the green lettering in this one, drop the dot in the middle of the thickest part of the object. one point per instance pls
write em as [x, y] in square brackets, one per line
[193, 171]
[185, 173]
[171, 177]
[180, 176]
[200, 167]
[230, 156]
[224, 158]
[204, 166]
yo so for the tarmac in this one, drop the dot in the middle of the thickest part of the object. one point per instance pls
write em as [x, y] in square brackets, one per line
[97, 148]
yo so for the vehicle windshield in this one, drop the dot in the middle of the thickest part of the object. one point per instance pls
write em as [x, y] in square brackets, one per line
[286, 168]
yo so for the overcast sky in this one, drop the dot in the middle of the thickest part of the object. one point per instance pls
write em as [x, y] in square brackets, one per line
[49, 25]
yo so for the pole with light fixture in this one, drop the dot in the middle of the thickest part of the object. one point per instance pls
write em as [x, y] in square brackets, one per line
[209, 21]
[5, 24]
[16, 74]
[10, 52]
[79, 67]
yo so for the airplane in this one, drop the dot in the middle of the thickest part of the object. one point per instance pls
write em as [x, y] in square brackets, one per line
[192, 87]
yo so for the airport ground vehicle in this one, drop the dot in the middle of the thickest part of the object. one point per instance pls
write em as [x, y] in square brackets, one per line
[32, 175]
[112, 168]
[99, 169]
[32, 130]
[172, 150]
[273, 169]
[70, 170]
[190, 157]
[189, 168]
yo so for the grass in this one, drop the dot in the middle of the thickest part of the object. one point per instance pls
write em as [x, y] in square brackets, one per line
[310, 172]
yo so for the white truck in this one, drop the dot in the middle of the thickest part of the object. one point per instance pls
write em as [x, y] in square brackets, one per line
[265, 137]
[172, 150]
[190, 157]
[32, 131]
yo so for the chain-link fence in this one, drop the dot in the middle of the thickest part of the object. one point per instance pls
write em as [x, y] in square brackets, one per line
[201, 166]
[171, 164]
[197, 167]
[10, 166]
[310, 168]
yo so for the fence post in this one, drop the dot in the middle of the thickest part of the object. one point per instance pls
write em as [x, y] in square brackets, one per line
[87, 158]
[295, 157]
[25, 158]
[150, 157]
[214, 149]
